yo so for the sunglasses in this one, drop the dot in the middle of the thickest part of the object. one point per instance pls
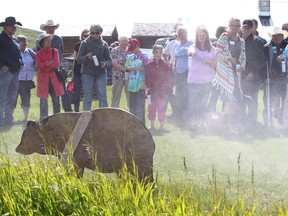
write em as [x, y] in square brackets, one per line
[85, 35]
[97, 33]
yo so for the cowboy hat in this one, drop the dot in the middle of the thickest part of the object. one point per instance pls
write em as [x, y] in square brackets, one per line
[277, 31]
[49, 23]
[10, 21]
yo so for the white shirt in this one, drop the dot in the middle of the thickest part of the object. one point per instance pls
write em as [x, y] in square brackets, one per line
[170, 49]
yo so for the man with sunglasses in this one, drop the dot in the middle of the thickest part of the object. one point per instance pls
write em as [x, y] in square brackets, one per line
[94, 55]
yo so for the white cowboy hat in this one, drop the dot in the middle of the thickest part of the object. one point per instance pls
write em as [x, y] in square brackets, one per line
[277, 31]
[49, 23]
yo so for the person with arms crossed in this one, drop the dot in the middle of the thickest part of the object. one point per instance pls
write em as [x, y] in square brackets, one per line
[47, 60]
[57, 42]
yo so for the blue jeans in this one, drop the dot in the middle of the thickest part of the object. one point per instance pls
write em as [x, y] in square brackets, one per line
[44, 103]
[88, 83]
[66, 103]
[8, 94]
[198, 100]
[181, 95]
[137, 104]
[77, 92]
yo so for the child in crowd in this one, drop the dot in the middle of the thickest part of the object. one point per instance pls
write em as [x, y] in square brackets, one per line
[157, 81]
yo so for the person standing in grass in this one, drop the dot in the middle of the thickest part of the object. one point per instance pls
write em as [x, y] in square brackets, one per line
[47, 81]
[274, 52]
[26, 75]
[231, 60]
[157, 81]
[94, 55]
[135, 65]
[57, 42]
[77, 72]
[200, 75]
[252, 76]
[119, 81]
[181, 73]
[10, 65]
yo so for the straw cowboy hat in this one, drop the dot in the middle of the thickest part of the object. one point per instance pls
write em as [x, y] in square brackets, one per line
[49, 23]
[10, 21]
[277, 31]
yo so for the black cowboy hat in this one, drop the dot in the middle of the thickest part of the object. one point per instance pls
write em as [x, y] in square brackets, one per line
[10, 21]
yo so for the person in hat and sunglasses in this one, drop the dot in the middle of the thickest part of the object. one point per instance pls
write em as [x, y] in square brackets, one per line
[10, 65]
[94, 55]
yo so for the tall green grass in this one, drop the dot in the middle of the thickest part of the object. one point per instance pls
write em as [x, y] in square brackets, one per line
[196, 174]
[43, 187]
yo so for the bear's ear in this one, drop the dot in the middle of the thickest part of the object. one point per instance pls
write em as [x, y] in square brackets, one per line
[31, 123]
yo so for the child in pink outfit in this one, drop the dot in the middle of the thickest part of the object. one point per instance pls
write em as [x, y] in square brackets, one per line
[157, 81]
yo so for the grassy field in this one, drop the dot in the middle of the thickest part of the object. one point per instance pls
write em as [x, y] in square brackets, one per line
[196, 174]
[253, 168]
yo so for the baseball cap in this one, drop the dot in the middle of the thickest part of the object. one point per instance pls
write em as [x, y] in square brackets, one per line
[132, 44]
[247, 23]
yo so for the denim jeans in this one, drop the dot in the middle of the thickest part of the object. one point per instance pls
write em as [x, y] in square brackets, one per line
[181, 95]
[88, 83]
[65, 99]
[77, 92]
[8, 94]
[44, 103]
[137, 104]
[277, 92]
[198, 100]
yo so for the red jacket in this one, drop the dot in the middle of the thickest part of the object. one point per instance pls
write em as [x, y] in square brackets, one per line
[158, 77]
[46, 71]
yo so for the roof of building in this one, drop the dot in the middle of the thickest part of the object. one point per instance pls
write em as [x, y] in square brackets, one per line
[75, 30]
[154, 29]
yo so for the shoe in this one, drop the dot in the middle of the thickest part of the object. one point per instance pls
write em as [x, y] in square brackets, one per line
[152, 129]
[8, 123]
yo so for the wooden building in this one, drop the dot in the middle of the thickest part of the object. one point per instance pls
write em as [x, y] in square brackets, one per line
[148, 33]
[71, 34]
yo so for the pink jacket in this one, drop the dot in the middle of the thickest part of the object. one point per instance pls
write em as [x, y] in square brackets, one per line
[158, 77]
[46, 72]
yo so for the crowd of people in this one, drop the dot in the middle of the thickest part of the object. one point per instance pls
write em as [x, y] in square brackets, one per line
[232, 69]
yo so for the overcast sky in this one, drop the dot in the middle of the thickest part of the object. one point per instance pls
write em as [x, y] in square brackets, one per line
[123, 14]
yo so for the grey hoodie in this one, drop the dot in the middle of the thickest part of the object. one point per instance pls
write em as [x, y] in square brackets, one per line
[99, 48]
